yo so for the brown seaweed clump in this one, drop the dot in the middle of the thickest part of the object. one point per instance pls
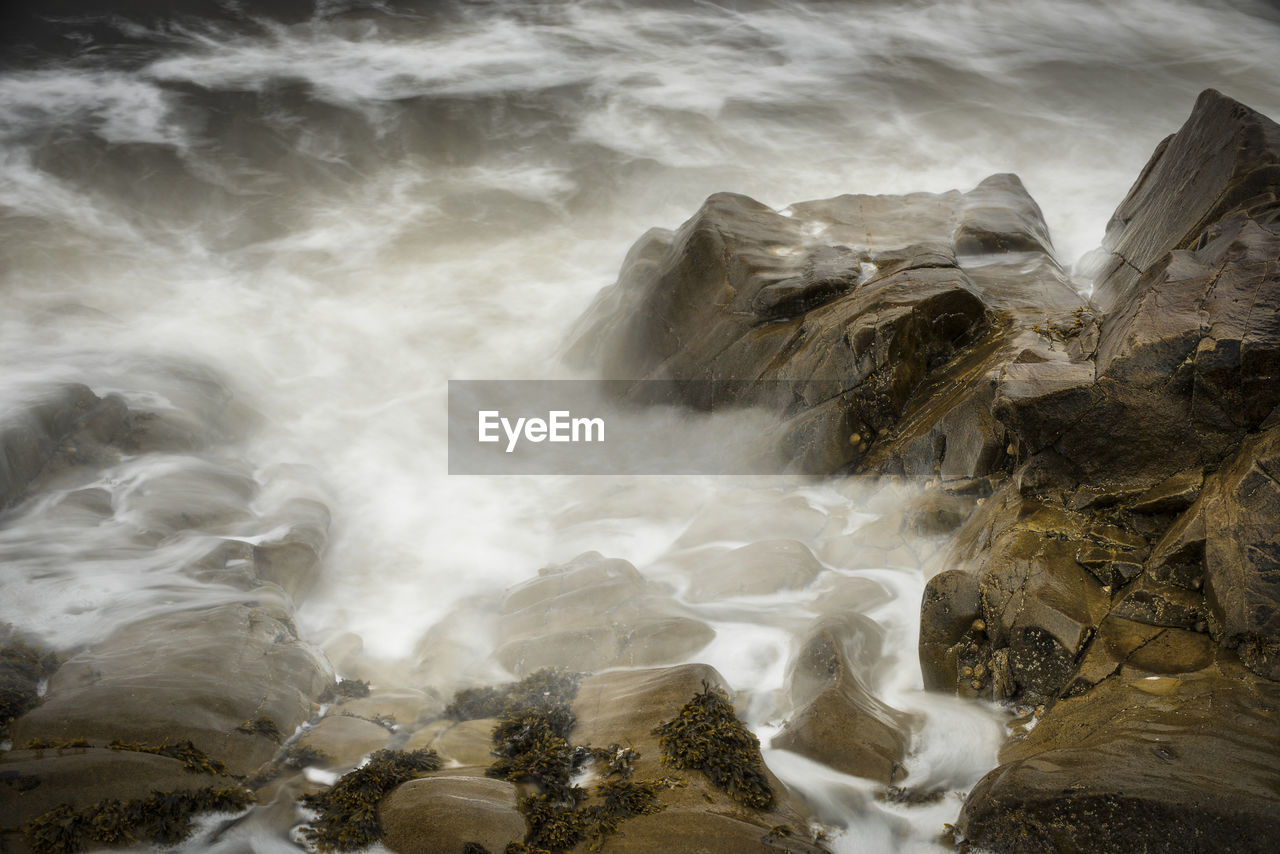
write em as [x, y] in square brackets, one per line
[707, 736]
[193, 758]
[347, 813]
[163, 818]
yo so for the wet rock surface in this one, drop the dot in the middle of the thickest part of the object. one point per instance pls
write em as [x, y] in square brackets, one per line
[1108, 466]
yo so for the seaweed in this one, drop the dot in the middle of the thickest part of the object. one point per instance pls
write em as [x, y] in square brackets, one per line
[193, 758]
[548, 688]
[531, 743]
[163, 818]
[353, 689]
[707, 736]
[347, 813]
[474, 848]
[56, 743]
[261, 725]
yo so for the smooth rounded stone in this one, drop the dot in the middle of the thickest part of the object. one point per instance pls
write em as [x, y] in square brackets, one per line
[443, 813]
[468, 743]
[32, 782]
[767, 515]
[1173, 651]
[634, 637]
[346, 739]
[753, 570]
[191, 493]
[292, 560]
[836, 594]
[837, 721]
[1140, 764]
[593, 613]
[195, 674]
[623, 707]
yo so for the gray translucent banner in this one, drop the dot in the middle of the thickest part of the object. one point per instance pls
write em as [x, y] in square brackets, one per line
[624, 427]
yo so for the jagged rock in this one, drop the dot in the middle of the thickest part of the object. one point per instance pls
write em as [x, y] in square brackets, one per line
[871, 322]
[1189, 349]
[445, 812]
[837, 721]
[1224, 159]
[1140, 763]
[193, 674]
[610, 613]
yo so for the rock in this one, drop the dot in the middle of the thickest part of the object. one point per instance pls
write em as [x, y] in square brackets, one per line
[1139, 764]
[611, 614]
[838, 721]
[1241, 508]
[33, 782]
[1172, 495]
[757, 569]
[29, 436]
[192, 674]
[624, 707]
[950, 614]
[871, 323]
[346, 739]
[469, 743]
[1224, 159]
[1188, 349]
[444, 812]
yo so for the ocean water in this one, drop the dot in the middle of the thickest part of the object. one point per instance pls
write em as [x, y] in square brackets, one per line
[292, 226]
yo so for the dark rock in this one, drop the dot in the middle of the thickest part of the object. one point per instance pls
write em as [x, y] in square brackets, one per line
[1224, 159]
[949, 615]
[837, 720]
[1139, 764]
[851, 316]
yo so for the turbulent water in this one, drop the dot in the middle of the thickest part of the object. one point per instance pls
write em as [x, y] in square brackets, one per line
[293, 231]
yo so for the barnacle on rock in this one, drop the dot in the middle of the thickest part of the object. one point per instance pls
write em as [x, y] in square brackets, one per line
[707, 736]
[348, 811]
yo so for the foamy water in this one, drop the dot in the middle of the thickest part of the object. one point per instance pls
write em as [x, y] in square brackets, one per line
[324, 222]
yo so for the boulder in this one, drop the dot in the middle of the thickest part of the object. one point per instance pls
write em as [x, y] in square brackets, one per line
[593, 613]
[837, 720]
[1140, 763]
[872, 324]
[444, 812]
[197, 674]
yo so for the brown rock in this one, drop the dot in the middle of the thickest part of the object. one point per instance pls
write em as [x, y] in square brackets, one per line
[443, 813]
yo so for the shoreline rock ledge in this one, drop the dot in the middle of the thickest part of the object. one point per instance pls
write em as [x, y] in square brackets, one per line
[1118, 456]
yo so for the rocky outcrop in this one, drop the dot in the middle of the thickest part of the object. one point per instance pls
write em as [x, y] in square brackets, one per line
[872, 323]
[1111, 464]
